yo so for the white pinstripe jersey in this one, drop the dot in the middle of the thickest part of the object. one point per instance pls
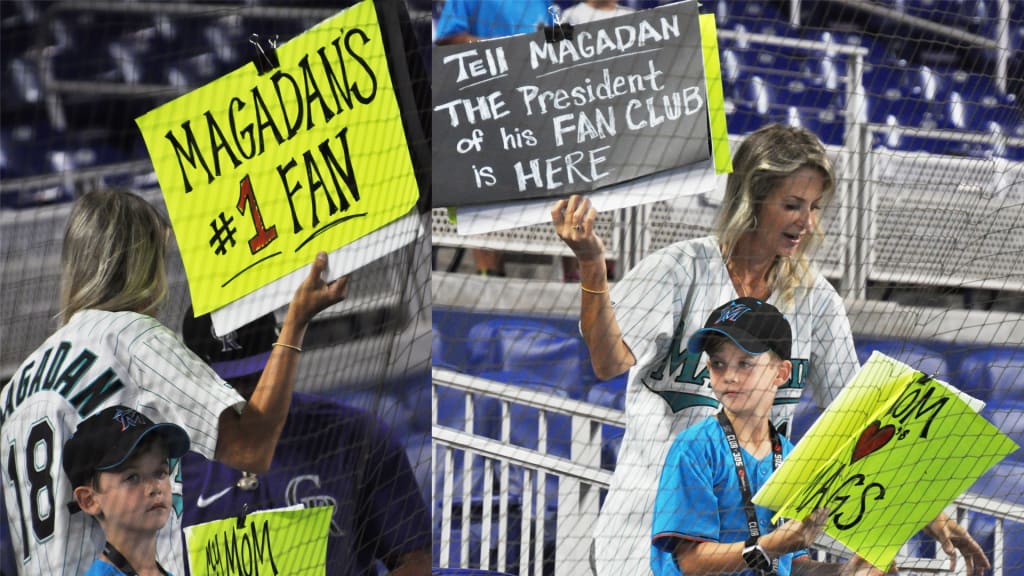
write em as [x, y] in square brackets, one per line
[96, 360]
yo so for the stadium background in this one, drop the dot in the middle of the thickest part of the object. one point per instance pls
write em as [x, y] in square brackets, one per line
[919, 103]
[926, 240]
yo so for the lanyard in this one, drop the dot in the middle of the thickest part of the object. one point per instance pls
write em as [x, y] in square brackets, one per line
[741, 473]
[121, 563]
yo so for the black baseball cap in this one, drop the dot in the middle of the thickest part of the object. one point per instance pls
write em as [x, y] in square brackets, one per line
[238, 353]
[108, 439]
[753, 325]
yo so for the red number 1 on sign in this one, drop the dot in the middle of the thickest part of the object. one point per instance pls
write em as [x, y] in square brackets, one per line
[264, 236]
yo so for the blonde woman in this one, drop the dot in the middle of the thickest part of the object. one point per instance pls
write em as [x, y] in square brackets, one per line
[767, 225]
[110, 350]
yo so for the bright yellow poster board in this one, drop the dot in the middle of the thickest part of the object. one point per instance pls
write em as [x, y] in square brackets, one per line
[886, 457]
[716, 95]
[285, 541]
[259, 172]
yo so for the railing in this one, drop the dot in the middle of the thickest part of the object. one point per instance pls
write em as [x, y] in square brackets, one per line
[581, 481]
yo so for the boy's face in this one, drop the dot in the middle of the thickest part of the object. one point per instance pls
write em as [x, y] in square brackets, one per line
[135, 498]
[745, 384]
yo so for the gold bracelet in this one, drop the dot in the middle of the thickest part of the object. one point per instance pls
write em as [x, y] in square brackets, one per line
[589, 291]
[296, 348]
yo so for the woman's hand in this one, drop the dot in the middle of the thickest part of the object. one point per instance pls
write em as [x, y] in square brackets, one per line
[952, 537]
[313, 295]
[574, 222]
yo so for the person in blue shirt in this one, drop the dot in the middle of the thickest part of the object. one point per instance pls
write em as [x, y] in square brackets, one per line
[704, 521]
[328, 453]
[118, 462]
[470, 20]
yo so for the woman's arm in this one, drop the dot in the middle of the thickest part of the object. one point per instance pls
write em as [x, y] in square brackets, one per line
[574, 222]
[246, 441]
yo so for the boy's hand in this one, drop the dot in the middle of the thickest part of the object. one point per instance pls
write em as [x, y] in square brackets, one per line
[795, 534]
[858, 566]
[574, 222]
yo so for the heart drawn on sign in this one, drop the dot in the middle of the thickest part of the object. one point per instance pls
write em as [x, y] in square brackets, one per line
[872, 438]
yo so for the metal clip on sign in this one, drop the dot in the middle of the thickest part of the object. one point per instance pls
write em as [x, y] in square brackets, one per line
[265, 59]
[558, 31]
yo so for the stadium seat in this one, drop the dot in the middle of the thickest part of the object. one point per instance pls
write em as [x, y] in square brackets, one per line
[451, 413]
[475, 536]
[610, 394]
[921, 357]
[803, 417]
[1009, 418]
[532, 352]
[992, 375]
[982, 528]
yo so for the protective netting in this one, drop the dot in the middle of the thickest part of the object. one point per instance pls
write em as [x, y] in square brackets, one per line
[76, 75]
[919, 105]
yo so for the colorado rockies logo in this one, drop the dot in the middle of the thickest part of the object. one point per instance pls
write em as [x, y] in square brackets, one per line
[127, 418]
[732, 312]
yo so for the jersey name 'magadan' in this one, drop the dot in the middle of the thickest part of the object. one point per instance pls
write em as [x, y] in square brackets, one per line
[61, 369]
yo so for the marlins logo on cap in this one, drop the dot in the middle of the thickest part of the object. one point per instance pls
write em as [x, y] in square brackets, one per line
[753, 325]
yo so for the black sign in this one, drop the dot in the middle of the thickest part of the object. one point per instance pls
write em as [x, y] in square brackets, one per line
[520, 117]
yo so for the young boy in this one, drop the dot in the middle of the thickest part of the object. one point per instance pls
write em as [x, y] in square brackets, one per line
[704, 521]
[117, 461]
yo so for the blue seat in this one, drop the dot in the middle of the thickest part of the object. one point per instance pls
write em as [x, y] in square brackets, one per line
[610, 394]
[803, 417]
[475, 536]
[992, 375]
[929, 360]
[982, 528]
[533, 352]
[451, 413]
[1010, 420]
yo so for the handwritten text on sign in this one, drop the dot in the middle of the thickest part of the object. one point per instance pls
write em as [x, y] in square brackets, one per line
[520, 117]
[891, 451]
[261, 172]
[286, 541]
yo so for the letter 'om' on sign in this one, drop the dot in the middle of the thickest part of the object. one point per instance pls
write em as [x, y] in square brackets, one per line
[260, 172]
[886, 457]
[520, 117]
[284, 541]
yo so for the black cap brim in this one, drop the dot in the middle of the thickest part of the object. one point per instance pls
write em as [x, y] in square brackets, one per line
[174, 436]
[746, 342]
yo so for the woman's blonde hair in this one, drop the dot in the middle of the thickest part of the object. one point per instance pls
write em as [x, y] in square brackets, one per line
[764, 159]
[113, 255]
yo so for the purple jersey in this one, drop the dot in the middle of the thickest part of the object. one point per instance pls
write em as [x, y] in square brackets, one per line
[328, 454]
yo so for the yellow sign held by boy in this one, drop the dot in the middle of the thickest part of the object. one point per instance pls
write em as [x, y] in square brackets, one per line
[887, 456]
